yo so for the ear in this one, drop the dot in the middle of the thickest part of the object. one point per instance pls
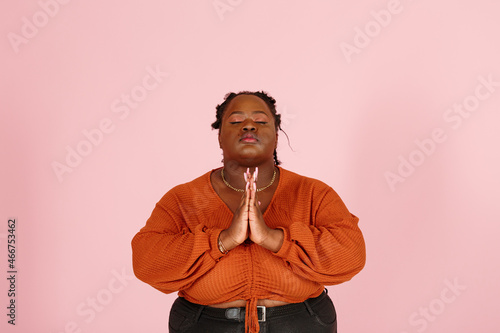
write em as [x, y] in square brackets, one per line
[220, 144]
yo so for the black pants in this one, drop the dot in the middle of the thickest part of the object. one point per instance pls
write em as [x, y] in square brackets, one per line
[315, 315]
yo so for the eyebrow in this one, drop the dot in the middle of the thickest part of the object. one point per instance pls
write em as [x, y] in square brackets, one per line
[241, 112]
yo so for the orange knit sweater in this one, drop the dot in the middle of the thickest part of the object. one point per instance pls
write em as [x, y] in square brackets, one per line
[177, 248]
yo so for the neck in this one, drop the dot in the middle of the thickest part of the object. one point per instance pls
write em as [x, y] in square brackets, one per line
[233, 173]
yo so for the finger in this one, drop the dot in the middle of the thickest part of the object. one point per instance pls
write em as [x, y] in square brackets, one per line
[243, 198]
[248, 194]
[251, 179]
[253, 191]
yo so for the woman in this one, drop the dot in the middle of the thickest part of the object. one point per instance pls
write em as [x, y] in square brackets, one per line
[250, 246]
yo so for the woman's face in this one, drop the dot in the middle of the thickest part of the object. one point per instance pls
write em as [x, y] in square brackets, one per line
[248, 131]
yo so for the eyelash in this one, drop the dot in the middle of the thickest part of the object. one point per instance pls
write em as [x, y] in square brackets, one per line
[258, 122]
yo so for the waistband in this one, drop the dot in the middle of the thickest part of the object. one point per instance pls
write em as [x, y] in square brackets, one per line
[264, 313]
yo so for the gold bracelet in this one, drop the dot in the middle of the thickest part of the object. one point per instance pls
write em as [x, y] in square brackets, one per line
[222, 249]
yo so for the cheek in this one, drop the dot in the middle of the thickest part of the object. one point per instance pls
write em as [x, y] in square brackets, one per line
[225, 137]
[270, 138]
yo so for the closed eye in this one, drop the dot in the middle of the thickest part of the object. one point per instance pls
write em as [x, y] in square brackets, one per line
[239, 122]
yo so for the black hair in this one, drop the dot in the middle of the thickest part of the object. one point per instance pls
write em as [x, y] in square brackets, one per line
[270, 101]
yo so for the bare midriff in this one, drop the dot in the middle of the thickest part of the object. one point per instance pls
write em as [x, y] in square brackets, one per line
[241, 303]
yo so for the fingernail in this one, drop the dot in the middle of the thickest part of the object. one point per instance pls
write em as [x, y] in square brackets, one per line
[256, 173]
[246, 177]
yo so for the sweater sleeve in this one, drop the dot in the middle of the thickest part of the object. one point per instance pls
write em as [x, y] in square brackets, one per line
[328, 250]
[169, 254]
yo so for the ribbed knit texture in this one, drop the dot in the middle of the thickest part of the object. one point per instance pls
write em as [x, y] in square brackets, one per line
[177, 248]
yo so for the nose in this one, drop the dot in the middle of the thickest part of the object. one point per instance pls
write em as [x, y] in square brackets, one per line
[249, 126]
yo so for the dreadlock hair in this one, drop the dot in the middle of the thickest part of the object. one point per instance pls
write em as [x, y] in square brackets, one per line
[270, 101]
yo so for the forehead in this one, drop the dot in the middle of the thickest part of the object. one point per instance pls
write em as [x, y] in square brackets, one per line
[247, 103]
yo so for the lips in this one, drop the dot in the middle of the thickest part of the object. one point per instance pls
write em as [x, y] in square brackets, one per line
[249, 137]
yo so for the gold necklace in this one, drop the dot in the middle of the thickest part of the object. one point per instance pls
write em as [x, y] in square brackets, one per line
[241, 190]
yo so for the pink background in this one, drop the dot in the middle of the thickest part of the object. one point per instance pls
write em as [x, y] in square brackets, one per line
[352, 117]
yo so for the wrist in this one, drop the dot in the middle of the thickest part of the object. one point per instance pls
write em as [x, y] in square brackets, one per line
[221, 246]
[225, 242]
[274, 240]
